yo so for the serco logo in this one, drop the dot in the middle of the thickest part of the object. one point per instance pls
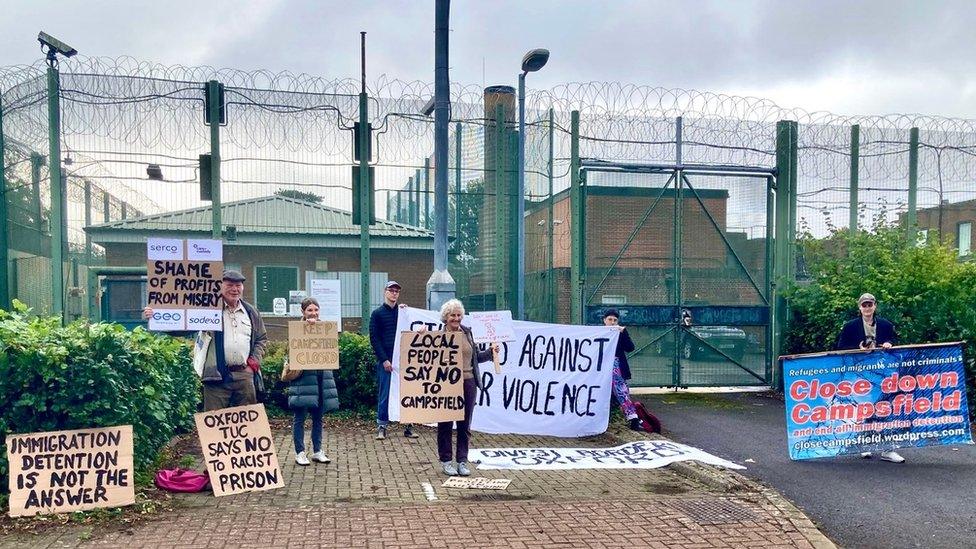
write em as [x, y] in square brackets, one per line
[167, 316]
[164, 248]
[204, 320]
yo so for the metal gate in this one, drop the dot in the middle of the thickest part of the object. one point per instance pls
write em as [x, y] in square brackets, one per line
[683, 252]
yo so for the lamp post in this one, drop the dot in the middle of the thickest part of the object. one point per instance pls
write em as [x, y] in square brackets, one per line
[533, 61]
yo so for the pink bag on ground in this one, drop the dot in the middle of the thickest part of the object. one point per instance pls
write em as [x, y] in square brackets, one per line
[182, 480]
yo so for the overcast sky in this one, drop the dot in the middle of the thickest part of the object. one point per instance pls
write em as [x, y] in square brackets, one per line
[848, 57]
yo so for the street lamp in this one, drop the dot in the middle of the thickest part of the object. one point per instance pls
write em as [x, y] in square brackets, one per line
[533, 61]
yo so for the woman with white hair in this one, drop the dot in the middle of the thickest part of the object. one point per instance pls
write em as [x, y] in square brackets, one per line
[452, 312]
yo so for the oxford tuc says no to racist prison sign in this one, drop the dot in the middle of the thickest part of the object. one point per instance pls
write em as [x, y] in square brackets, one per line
[238, 449]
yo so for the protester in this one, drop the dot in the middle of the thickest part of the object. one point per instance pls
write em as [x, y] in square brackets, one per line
[868, 332]
[313, 392]
[382, 336]
[452, 312]
[229, 358]
[621, 369]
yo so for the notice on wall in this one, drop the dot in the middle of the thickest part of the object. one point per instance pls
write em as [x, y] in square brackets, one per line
[183, 284]
[328, 292]
[477, 483]
[313, 345]
[238, 449]
[848, 402]
[62, 471]
[431, 379]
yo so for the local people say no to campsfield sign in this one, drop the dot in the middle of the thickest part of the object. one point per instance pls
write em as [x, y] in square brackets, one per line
[848, 402]
[62, 471]
[431, 381]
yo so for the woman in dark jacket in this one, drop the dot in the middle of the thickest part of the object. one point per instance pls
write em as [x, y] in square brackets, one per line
[452, 312]
[313, 392]
[621, 369]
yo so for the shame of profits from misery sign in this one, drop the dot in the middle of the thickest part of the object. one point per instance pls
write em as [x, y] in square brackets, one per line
[183, 284]
[61, 471]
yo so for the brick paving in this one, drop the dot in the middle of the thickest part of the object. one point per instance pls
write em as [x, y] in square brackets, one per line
[371, 495]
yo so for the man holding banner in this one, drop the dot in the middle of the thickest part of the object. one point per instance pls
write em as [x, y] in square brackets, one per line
[868, 332]
[382, 336]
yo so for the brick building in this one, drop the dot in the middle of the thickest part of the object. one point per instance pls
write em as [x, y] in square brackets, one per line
[280, 244]
[954, 221]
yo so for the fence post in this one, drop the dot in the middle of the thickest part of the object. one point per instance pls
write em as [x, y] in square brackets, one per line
[365, 206]
[457, 186]
[415, 203]
[88, 242]
[4, 237]
[57, 191]
[427, 224]
[785, 232]
[501, 199]
[577, 226]
[213, 111]
[912, 222]
[550, 278]
[855, 172]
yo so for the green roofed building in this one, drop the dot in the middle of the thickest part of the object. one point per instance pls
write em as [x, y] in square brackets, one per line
[280, 244]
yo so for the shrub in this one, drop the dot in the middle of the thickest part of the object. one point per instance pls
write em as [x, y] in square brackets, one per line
[83, 375]
[923, 289]
[355, 378]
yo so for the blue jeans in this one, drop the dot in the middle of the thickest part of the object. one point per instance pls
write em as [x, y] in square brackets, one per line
[382, 395]
[298, 429]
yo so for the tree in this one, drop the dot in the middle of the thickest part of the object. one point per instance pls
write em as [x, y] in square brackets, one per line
[299, 195]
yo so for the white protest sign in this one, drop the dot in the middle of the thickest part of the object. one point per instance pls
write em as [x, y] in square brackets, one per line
[556, 379]
[644, 454]
[492, 326]
[477, 483]
[329, 295]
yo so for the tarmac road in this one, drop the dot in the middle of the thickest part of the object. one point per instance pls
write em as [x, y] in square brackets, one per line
[928, 501]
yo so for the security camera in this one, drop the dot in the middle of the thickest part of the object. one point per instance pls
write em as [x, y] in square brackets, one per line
[55, 46]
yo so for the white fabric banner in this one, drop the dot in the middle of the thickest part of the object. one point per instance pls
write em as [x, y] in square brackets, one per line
[644, 454]
[555, 378]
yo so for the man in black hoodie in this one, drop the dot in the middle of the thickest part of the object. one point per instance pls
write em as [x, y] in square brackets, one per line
[382, 336]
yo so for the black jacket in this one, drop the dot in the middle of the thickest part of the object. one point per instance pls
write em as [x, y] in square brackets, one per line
[382, 331]
[852, 334]
[624, 345]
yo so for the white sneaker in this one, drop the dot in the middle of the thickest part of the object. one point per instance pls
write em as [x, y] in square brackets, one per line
[449, 468]
[321, 457]
[302, 459]
[892, 456]
[462, 469]
[866, 455]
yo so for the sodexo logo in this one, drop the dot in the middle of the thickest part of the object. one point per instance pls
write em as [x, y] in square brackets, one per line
[167, 316]
[204, 321]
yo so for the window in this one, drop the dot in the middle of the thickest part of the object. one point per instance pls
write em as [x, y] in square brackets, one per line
[964, 238]
[271, 282]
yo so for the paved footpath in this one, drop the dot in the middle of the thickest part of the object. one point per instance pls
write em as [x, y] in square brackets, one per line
[371, 495]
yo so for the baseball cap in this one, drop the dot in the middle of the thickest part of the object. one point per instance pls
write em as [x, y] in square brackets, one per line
[611, 312]
[393, 284]
[866, 297]
[233, 276]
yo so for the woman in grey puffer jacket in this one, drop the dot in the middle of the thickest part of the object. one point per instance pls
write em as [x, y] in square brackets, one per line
[313, 392]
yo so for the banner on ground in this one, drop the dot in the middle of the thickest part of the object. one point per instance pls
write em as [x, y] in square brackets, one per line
[183, 284]
[431, 379]
[556, 378]
[238, 449]
[644, 454]
[62, 471]
[313, 345]
[477, 483]
[848, 402]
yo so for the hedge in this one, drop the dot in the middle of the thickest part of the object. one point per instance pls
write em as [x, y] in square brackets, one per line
[82, 375]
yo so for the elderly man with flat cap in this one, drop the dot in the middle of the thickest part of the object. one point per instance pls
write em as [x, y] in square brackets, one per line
[230, 357]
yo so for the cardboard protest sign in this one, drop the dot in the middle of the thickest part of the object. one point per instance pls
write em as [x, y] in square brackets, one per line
[183, 284]
[62, 471]
[556, 381]
[848, 402]
[313, 346]
[477, 483]
[238, 449]
[431, 379]
[492, 327]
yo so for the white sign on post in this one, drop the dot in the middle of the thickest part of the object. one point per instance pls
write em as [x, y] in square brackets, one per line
[327, 291]
[279, 306]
